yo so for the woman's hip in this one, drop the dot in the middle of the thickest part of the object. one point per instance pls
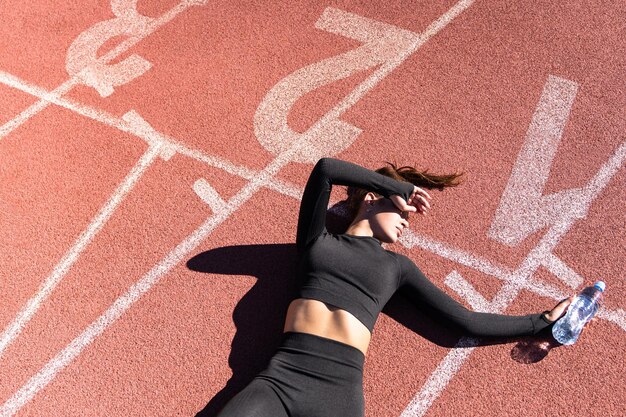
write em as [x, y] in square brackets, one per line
[317, 376]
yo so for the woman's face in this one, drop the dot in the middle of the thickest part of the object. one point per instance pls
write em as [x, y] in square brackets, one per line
[386, 220]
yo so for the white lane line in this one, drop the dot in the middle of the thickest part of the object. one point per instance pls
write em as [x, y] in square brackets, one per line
[209, 195]
[21, 118]
[604, 175]
[124, 302]
[411, 239]
[439, 248]
[59, 271]
[151, 136]
[72, 82]
[49, 371]
[560, 269]
[386, 68]
[451, 364]
[438, 380]
[283, 187]
[461, 286]
[617, 316]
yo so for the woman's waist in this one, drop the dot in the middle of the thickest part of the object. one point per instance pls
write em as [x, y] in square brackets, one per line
[328, 321]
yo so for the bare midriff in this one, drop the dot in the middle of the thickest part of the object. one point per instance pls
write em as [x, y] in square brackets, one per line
[326, 320]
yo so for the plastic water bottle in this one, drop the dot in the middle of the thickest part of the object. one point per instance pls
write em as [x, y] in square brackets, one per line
[567, 329]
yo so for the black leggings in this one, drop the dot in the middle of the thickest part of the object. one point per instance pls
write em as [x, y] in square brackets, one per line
[309, 376]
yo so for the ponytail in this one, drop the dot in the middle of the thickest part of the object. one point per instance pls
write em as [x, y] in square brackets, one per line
[421, 179]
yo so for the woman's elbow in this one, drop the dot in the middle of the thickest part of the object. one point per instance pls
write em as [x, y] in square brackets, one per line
[323, 164]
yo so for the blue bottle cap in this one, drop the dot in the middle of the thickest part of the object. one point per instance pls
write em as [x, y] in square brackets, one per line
[600, 285]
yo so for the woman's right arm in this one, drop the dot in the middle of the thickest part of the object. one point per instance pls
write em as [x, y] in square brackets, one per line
[326, 173]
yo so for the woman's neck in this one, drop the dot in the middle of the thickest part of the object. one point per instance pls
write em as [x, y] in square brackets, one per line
[360, 228]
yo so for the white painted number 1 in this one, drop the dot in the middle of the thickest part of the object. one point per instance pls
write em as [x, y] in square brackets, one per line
[523, 208]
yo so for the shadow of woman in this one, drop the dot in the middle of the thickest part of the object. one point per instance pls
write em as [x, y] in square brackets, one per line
[260, 314]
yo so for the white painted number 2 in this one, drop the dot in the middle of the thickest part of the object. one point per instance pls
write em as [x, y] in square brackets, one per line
[382, 43]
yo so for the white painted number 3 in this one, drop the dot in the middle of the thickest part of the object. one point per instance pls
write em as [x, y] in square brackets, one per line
[81, 55]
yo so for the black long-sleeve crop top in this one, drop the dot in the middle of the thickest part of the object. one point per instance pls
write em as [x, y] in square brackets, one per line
[356, 274]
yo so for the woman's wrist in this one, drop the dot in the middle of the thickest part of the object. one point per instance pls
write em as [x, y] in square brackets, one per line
[544, 317]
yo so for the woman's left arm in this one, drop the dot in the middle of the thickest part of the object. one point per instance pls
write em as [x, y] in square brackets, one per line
[328, 172]
[422, 292]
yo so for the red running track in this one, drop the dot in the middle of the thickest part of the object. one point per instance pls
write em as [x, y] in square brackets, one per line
[152, 157]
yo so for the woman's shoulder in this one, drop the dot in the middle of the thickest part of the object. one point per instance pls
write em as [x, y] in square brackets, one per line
[393, 253]
[402, 260]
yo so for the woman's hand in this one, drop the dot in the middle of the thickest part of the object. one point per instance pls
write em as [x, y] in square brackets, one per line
[418, 201]
[559, 310]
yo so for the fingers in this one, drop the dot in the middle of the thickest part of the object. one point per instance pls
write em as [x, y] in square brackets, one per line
[401, 204]
[564, 303]
[419, 199]
[421, 191]
[560, 309]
